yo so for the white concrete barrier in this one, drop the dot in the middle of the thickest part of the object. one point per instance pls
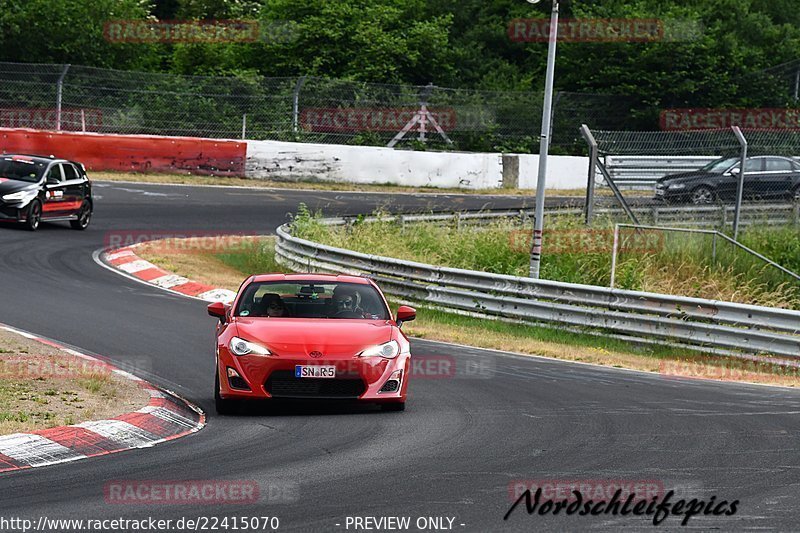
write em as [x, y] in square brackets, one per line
[376, 165]
[563, 171]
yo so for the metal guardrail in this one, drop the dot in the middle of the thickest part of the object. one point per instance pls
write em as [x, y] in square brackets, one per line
[692, 321]
[641, 172]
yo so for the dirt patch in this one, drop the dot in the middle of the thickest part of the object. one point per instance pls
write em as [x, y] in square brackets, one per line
[43, 387]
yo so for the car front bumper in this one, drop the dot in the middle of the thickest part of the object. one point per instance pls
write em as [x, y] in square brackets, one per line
[357, 378]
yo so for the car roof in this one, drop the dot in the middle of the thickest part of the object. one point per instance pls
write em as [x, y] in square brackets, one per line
[321, 278]
[34, 158]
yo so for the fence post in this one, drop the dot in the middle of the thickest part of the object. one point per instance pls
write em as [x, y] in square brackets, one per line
[588, 208]
[296, 104]
[797, 213]
[59, 91]
[244, 126]
[83, 121]
[714, 250]
[614, 249]
[739, 189]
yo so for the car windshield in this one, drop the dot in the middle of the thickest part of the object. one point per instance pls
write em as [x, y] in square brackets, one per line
[311, 299]
[720, 165]
[21, 169]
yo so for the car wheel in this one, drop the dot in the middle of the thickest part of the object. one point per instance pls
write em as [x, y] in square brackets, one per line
[796, 194]
[222, 406]
[702, 196]
[84, 216]
[34, 216]
[394, 406]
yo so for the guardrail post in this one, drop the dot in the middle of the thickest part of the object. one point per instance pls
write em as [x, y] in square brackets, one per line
[614, 249]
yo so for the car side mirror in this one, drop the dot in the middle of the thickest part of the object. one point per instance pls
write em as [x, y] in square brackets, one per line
[405, 314]
[734, 171]
[52, 181]
[219, 310]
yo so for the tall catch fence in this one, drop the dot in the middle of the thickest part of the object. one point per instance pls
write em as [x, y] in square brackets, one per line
[307, 109]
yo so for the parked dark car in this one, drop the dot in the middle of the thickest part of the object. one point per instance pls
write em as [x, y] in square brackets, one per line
[34, 189]
[765, 177]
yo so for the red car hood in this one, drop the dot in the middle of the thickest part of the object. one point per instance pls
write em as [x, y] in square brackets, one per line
[300, 337]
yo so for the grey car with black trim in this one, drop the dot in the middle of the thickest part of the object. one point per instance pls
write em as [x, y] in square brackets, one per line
[765, 177]
[35, 189]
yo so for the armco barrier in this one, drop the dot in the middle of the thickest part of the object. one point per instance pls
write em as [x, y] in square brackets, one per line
[690, 321]
[140, 153]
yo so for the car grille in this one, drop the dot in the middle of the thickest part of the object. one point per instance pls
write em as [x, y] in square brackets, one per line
[283, 384]
[390, 386]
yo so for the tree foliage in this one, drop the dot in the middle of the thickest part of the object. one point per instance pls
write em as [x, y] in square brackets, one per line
[456, 43]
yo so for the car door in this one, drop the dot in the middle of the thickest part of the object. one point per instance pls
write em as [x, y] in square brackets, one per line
[54, 192]
[753, 176]
[728, 184]
[778, 177]
[74, 187]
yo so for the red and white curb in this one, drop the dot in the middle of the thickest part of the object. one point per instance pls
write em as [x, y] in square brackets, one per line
[165, 417]
[126, 262]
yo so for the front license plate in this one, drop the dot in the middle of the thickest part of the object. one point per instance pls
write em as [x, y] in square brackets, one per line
[305, 371]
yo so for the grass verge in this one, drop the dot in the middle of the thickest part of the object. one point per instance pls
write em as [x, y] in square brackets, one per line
[226, 268]
[663, 262]
[43, 387]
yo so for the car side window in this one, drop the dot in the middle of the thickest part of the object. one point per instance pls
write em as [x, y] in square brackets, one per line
[54, 174]
[753, 165]
[69, 172]
[775, 164]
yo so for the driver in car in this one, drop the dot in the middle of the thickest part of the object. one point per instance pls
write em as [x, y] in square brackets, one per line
[347, 303]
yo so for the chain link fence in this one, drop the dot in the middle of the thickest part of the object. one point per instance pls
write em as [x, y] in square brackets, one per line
[694, 178]
[79, 98]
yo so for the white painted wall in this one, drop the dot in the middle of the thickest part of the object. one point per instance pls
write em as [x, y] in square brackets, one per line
[376, 165]
[563, 171]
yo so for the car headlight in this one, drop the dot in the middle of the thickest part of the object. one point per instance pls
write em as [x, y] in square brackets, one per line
[242, 347]
[19, 195]
[678, 186]
[388, 350]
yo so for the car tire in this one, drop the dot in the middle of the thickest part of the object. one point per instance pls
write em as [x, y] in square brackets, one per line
[84, 216]
[223, 407]
[702, 196]
[34, 215]
[393, 407]
[795, 197]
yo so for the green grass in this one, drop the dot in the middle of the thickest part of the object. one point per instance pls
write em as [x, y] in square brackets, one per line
[251, 257]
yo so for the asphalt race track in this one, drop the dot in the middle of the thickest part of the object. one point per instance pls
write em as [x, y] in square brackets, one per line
[464, 439]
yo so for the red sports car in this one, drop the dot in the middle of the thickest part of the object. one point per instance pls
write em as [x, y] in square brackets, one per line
[310, 336]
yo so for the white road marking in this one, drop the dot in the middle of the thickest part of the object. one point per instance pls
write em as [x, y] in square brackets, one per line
[121, 432]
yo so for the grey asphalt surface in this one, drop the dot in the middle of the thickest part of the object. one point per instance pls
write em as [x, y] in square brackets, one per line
[465, 438]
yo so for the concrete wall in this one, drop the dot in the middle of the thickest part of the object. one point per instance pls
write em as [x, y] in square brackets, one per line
[369, 164]
[298, 161]
[131, 153]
